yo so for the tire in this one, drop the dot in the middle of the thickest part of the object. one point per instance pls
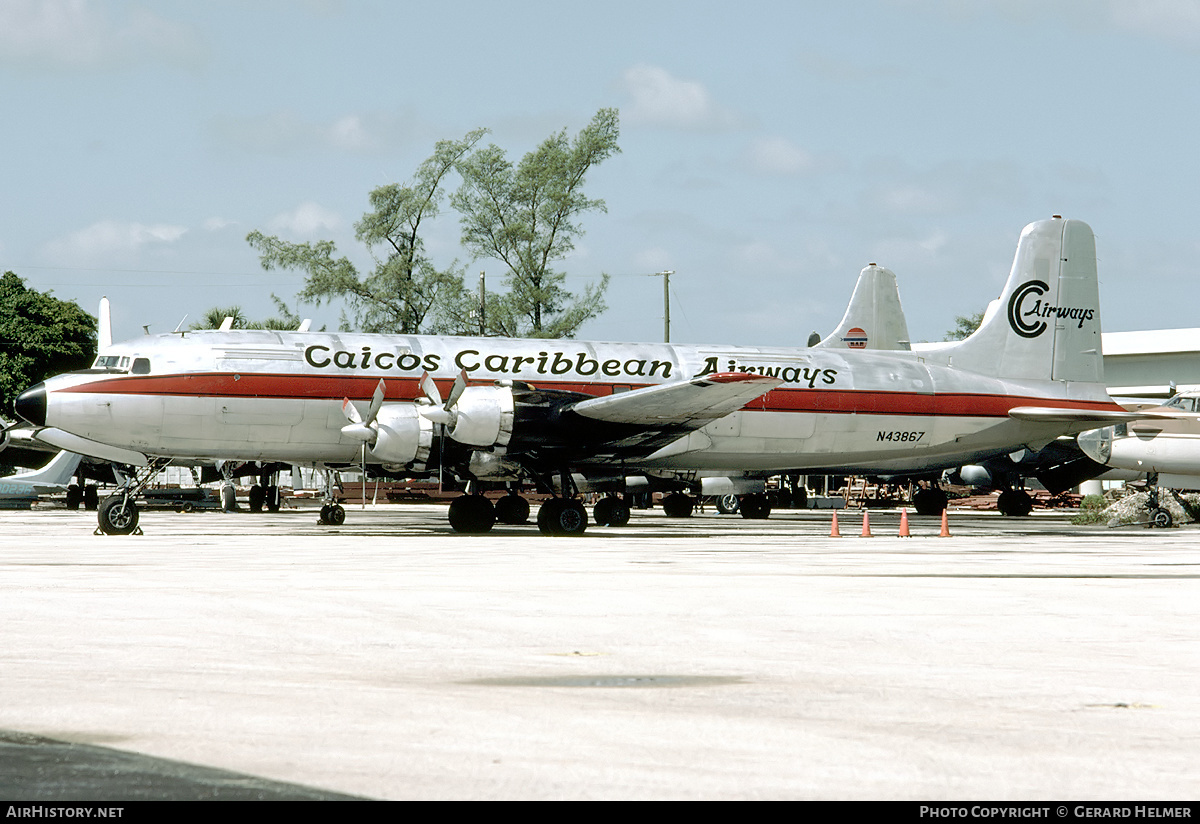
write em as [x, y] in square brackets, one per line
[1161, 518]
[929, 501]
[678, 505]
[757, 507]
[336, 515]
[472, 514]
[229, 498]
[727, 504]
[611, 511]
[118, 515]
[74, 497]
[91, 498]
[1015, 503]
[274, 499]
[258, 496]
[512, 509]
[562, 517]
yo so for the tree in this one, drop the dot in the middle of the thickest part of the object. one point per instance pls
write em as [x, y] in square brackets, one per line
[40, 336]
[405, 293]
[965, 326]
[527, 217]
[284, 321]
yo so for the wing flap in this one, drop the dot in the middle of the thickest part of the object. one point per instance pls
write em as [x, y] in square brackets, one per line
[701, 399]
[1051, 414]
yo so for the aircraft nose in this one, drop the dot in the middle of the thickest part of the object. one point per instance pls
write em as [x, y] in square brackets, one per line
[1096, 444]
[31, 404]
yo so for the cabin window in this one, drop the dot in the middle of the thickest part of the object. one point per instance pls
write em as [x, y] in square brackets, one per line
[141, 366]
[620, 387]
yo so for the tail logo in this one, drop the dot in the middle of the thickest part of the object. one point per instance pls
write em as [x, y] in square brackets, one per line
[1017, 311]
[856, 338]
[1018, 324]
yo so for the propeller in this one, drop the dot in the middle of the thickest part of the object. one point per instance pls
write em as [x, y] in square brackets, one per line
[432, 408]
[445, 415]
[360, 428]
[363, 429]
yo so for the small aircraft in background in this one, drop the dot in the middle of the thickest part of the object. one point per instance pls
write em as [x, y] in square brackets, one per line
[498, 412]
[53, 477]
[1164, 446]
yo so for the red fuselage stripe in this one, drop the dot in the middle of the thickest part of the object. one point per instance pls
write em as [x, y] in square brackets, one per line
[782, 399]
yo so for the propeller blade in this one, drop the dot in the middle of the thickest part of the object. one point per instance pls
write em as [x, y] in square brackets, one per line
[350, 411]
[376, 402]
[429, 387]
[460, 383]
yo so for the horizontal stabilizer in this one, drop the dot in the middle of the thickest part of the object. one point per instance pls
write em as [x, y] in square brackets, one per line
[705, 398]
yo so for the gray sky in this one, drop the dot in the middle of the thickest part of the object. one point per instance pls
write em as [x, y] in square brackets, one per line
[770, 149]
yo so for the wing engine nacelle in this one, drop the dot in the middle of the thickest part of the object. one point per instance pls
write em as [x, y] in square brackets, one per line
[402, 436]
[483, 416]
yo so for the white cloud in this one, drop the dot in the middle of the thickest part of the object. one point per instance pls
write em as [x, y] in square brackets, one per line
[778, 156]
[660, 99]
[306, 220]
[759, 258]
[352, 134]
[655, 259]
[1175, 20]
[84, 34]
[215, 224]
[286, 131]
[110, 240]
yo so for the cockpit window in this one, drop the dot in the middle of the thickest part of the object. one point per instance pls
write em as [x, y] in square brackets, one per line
[109, 362]
[119, 363]
[1181, 402]
[141, 366]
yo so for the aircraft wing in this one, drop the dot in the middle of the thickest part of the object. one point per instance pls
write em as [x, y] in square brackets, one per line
[1052, 414]
[93, 449]
[700, 399]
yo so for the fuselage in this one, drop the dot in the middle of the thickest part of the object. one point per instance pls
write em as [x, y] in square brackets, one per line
[276, 396]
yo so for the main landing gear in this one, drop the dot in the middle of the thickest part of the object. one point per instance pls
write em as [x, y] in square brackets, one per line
[266, 493]
[755, 506]
[611, 511]
[1016, 503]
[929, 501]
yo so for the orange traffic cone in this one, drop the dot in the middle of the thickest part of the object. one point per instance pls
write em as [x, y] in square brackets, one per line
[833, 533]
[904, 533]
[945, 533]
[866, 533]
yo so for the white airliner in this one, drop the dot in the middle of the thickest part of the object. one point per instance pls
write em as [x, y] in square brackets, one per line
[51, 478]
[498, 410]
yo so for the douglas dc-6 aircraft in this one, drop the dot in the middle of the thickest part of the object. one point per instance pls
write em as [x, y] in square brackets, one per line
[496, 410]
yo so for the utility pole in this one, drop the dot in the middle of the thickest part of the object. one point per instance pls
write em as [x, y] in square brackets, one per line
[482, 305]
[666, 276]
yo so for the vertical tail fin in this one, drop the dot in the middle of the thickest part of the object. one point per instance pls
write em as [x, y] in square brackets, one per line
[874, 319]
[58, 471]
[1046, 323]
[104, 327]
